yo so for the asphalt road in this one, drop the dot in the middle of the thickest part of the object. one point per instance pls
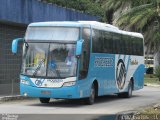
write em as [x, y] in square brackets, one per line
[104, 105]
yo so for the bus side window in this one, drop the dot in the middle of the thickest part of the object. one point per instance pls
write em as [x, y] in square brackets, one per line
[108, 42]
[97, 46]
[126, 45]
[140, 41]
[134, 46]
[116, 42]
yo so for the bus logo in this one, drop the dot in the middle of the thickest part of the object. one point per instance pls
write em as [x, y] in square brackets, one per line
[39, 82]
[120, 74]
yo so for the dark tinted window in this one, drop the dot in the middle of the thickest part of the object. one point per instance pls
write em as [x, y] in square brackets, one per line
[97, 43]
[134, 45]
[108, 43]
[137, 46]
[115, 43]
[140, 44]
[126, 44]
[130, 46]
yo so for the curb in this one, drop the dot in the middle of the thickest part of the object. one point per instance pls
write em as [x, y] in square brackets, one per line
[12, 98]
[132, 113]
[151, 85]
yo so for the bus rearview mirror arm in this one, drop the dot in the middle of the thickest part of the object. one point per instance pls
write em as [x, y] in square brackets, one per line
[15, 44]
[79, 48]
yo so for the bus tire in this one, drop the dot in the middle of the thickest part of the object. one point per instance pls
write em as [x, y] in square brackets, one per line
[130, 90]
[44, 100]
[127, 94]
[91, 99]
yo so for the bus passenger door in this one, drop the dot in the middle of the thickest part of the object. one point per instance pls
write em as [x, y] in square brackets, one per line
[84, 59]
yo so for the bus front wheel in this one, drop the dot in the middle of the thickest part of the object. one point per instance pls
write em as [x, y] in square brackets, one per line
[90, 100]
[44, 100]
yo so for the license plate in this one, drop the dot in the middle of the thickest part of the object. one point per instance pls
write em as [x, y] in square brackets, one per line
[45, 92]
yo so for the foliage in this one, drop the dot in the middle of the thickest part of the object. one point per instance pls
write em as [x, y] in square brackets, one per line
[88, 6]
[144, 18]
[138, 15]
[157, 72]
[150, 79]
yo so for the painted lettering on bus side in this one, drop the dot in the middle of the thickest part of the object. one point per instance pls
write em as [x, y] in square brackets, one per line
[103, 62]
[55, 80]
[134, 62]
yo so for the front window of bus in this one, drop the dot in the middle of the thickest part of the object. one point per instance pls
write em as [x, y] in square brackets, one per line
[35, 59]
[62, 62]
[50, 52]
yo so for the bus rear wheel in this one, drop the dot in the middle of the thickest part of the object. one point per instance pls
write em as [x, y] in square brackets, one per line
[127, 94]
[44, 100]
[130, 90]
[91, 98]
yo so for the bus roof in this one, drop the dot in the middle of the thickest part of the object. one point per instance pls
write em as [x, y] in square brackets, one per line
[93, 24]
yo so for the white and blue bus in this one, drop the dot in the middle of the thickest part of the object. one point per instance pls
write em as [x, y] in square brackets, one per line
[83, 59]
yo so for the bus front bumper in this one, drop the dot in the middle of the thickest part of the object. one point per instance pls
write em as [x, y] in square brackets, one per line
[71, 92]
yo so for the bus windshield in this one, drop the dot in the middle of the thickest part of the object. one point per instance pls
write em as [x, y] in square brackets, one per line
[56, 60]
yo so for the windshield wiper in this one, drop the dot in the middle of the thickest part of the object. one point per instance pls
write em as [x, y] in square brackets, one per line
[38, 67]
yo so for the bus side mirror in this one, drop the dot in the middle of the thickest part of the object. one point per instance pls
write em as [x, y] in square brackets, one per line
[79, 48]
[15, 44]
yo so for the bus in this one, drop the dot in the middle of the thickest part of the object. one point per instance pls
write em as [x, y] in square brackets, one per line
[80, 60]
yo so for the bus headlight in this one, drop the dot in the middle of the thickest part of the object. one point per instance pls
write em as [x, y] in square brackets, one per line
[26, 82]
[71, 83]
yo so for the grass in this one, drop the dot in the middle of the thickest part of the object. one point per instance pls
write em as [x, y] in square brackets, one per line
[151, 110]
[151, 113]
[151, 79]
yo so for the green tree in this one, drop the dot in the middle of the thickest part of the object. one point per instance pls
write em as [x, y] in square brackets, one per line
[144, 18]
[120, 6]
[140, 16]
[115, 6]
[157, 72]
[87, 6]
